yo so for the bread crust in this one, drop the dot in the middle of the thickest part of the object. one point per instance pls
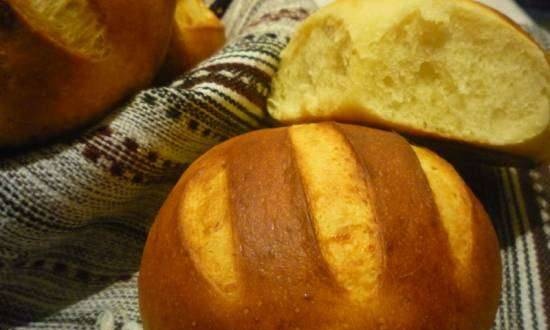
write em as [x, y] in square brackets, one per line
[49, 87]
[507, 20]
[284, 278]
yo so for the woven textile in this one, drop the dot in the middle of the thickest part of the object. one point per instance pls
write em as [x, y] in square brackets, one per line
[74, 215]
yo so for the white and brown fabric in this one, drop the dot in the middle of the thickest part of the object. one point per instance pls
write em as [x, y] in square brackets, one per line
[74, 214]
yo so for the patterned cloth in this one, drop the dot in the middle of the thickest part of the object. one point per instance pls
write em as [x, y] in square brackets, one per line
[74, 215]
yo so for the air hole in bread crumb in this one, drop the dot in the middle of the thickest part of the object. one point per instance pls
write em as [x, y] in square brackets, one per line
[433, 34]
[427, 71]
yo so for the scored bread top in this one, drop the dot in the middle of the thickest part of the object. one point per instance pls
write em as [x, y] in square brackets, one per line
[65, 63]
[451, 69]
[321, 226]
[75, 25]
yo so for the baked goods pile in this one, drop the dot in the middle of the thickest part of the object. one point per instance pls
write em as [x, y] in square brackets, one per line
[333, 226]
[315, 226]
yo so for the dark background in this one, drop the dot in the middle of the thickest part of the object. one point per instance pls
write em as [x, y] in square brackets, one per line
[538, 10]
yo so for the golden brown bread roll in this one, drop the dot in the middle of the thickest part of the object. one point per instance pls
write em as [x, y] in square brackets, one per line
[320, 226]
[198, 33]
[452, 69]
[65, 62]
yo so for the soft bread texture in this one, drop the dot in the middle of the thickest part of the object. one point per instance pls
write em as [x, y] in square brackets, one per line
[451, 69]
[320, 226]
[64, 63]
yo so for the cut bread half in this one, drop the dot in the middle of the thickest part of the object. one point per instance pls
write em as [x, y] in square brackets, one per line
[451, 69]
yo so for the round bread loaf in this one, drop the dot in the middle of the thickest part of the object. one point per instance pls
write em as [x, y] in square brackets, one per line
[453, 69]
[320, 226]
[65, 62]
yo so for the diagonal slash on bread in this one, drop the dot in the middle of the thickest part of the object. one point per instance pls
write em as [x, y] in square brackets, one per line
[73, 24]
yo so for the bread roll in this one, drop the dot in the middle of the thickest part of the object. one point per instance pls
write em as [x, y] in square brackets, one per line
[198, 33]
[451, 69]
[318, 227]
[66, 62]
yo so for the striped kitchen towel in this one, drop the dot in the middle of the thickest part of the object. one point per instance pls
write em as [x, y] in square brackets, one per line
[74, 215]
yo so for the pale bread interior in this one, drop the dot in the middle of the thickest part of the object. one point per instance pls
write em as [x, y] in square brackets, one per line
[74, 24]
[447, 68]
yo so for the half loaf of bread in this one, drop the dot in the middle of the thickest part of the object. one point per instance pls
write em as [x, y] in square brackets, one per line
[451, 69]
[320, 227]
